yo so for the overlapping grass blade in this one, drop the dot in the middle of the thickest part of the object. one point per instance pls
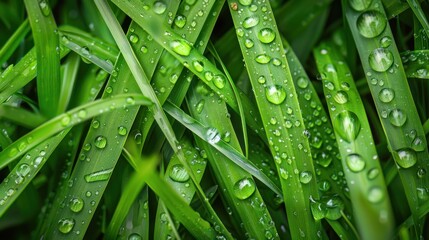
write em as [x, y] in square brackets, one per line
[388, 84]
[240, 192]
[69, 73]
[276, 96]
[419, 14]
[20, 116]
[362, 169]
[13, 42]
[45, 36]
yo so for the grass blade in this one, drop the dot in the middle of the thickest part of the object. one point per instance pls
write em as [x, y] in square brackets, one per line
[13, 42]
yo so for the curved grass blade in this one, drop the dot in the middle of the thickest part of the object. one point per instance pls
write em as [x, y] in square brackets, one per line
[401, 123]
[21, 116]
[69, 74]
[419, 14]
[66, 120]
[46, 42]
[416, 63]
[240, 192]
[284, 127]
[368, 192]
[13, 42]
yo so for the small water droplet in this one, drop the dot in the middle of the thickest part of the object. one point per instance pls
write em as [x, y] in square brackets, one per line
[305, 177]
[100, 142]
[250, 22]
[219, 81]
[418, 144]
[244, 188]
[275, 94]
[360, 5]
[199, 66]
[143, 49]
[208, 75]
[266, 35]
[318, 210]
[159, 7]
[134, 38]
[65, 225]
[180, 21]
[213, 135]
[370, 24]
[65, 121]
[98, 176]
[406, 157]
[23, 170]
[380, 60]
[245, 2]
[122, 130]
[355, 162]
[248, 43]
[44, 7]
[302, 82]
[276, 62]
[373, 173]
[375, 194]
[385, 41]
[76, 204]
[341, 97]
[421, 172]
[263, 59]
[134, 236]
[178, 173]
[200, 106]
[181, 47]
[95, 124]
[347, 125]
[386, 95]
[397, 117]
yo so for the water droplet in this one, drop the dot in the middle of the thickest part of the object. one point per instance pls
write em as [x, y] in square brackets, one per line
[180, 21]
[99, 175]
[341, 97]
[199, 66]
[418, 144]
[334, 206]
[266, 35]
[143, 49]
[213, 135]
[65, 225]
[318, 210]
[275, 94]
[250, 22]
[371, 24]
[44, 7]
[324, 186]
[302, 82]
[76, 204]
[159, 7]
[181, 47]
[245, 2]
[422, 193]
[65, 120]
[397, 118]
[200, 106]
[305, 177]
[262, 59]
[261, 79]
[122, 130]
[178, 173]
[134, 236]
[248, 43]
[406, 157]
[23, 170]
[208, 76]
[360, 5]
[240, 32]
[244, 188]
[95, 124]
[219, 81]
[100, 142]
[134, 38]
[380, 60]
[375, 194]
[386, 95]
[421, 172]
[347, 125]
[130, 101]
[386, 41]
[276, 62]
[373, 173]
[355, 162]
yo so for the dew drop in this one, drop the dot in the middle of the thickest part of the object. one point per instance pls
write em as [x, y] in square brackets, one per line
[208, 75]
[360, 5]
[341, 97]
[244, 188]
[370, 24]
[95, 124]
[245, 2]
[213, 135]
[266, 35]
[347, 125]
[219, 81]
[386, 95]
[122, 130]
[380, 60]
[305, 177]
[406, 157]
[302, 82]
[65, 225]
[262, 59]
[261, 79]
[134, 236]
[250, 22]
[181, 47]
[373, 173]
[200, 106]
[98, 176]
[76, 204]
[199, 66]
[334, 206]
[375, 194]
[178, 173]
[143, 49]
[275, 94]
[65, 121]
[318, 210]
[44, 7]
[248, 43]
[276, 62]
[355, 162]
[397, 118]
[100, 142]
[159, 7]
[23, 170]
[385, 41]
[418, 144]
[134, 38]
[180, 21]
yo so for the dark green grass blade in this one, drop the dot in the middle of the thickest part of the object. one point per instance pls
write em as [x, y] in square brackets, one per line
[13, 42]
[368, 192]
[420, 15]
[46, 41]
[416, 63]
[21, 116]
[388, 84]
[240, 193]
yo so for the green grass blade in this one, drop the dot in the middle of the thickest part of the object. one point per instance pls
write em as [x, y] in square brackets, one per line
[13, 42]
[48, 55]
[368, 192]
[420, 14]
[416, 63]
[400, 120]
[284, 126]
[69, 73]
[21, 116]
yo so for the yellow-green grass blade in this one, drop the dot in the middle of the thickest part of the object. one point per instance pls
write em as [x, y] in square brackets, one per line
[69, 73]
[21, 116]
[368, 192]
[45, 36]
[389, 87]
[240, 193]
[284, 127]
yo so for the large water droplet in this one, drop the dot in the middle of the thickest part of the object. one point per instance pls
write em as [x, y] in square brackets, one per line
[347, 125]
[302, 82]
[65, 225]
[98, 176]
[275, 94]
[305, 177]
[380, 59]
[266, 35]
[219, 81]
[181, 47]
[44, 7]
[341, 97]
[406, 157]
[318, 210]
[134, 38]
[244, 188]
[159, 7]
[199, 66]
[76, 204]
[375, 194]
[100, 142]
[355, 162]
[245, 2]
[248, 43]
[180, 21]
[263, 58]
[397, 117]
[418, 144]
[23, 170]
[122, 130]
[250, 22]
[360, 5]
[334, 206]
[178, 173]
[386, 95]
[213, 135]
[371, 24]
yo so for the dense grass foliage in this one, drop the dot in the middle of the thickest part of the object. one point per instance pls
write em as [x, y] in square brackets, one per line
[214, 119]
